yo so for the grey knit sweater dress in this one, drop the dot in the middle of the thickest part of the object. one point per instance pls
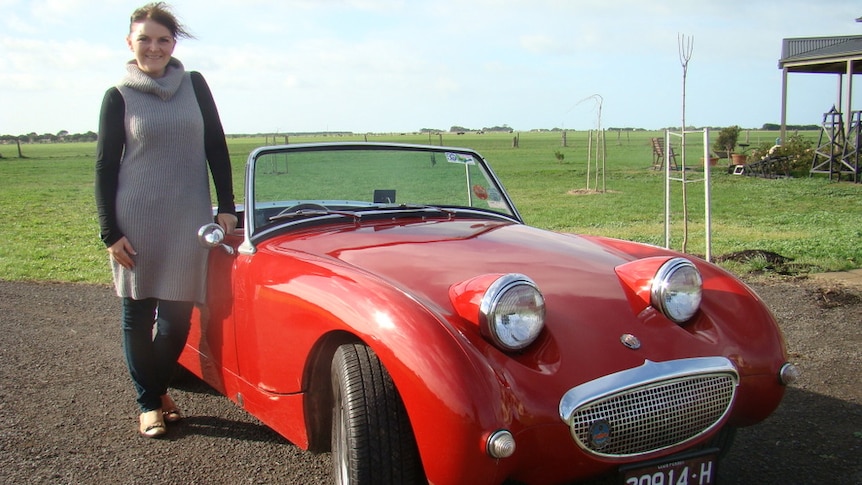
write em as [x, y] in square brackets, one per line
[152, 180]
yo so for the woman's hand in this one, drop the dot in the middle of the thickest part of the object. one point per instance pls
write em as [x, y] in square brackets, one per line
[122, 252]
[227, 222]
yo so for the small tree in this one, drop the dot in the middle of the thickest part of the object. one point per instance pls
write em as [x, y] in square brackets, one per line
[726, 140]
[560, 156]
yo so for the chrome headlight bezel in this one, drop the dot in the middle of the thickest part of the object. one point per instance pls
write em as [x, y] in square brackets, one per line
[512, 312]
[677, 289]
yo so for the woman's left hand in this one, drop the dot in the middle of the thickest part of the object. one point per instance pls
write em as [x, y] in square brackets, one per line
[227, 222]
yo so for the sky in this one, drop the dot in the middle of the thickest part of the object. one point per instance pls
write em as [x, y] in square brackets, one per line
[380, 66]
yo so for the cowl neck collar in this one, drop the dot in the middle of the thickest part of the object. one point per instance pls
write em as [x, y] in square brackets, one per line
[164, 87]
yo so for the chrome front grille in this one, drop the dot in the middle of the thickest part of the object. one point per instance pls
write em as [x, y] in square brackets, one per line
[652, 407]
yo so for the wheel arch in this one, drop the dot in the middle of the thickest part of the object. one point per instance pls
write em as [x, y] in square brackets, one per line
[319, 398]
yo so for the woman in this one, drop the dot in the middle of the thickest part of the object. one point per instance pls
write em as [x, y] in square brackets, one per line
[158, 131]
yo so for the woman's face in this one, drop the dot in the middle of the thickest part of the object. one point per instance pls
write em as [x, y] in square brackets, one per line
[153, 45]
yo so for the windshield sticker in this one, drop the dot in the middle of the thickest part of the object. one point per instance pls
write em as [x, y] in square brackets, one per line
[460, 158]
[480, 192]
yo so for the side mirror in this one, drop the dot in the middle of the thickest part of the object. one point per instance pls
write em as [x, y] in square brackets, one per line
[211, 235]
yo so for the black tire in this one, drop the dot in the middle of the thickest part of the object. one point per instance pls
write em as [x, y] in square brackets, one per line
[723, 440]
[372, 441]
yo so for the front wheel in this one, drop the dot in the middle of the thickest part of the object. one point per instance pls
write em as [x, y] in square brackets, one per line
[372, 441]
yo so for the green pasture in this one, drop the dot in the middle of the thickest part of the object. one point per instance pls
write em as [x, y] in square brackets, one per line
[50, 231]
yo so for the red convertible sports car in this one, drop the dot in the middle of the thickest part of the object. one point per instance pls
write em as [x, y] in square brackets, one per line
[388, 303]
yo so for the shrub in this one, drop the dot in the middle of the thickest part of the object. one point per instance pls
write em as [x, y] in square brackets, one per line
[798, 149]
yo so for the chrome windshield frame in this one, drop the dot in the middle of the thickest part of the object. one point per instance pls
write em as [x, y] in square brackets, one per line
[249, 228]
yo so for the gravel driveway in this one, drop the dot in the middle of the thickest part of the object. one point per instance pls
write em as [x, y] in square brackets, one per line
[67, 413]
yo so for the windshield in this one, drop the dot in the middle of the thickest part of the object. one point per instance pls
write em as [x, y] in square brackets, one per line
[296, 182]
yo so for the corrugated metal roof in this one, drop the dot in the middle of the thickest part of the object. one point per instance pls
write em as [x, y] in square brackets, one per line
[817, 47]
[820, 54]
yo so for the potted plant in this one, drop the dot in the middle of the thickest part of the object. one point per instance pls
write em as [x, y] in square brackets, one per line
[713, 161]
[726, 142]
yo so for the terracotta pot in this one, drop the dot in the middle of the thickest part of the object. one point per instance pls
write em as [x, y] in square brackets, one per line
[738, 158]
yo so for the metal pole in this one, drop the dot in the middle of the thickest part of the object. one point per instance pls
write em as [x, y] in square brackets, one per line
[848, 99]
[708, 215]
[783, 131]
[666, 189]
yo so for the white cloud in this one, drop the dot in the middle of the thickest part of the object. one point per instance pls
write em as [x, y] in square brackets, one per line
[398, 64]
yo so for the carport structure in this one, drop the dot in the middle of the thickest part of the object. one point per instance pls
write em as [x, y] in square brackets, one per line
[840, 56]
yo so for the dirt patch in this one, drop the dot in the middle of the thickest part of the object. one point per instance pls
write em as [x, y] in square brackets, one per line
[835, 297]
[590, 192]
[760, 261]
[748, 255]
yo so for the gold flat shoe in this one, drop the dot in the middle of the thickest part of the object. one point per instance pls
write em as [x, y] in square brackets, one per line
[152, 424]
[170, 412]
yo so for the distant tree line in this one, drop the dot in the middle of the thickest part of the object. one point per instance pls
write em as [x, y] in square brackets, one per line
[498, 129]
[776, 127]
[62, 136]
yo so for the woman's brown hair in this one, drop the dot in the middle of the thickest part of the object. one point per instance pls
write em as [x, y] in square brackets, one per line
[160, 12]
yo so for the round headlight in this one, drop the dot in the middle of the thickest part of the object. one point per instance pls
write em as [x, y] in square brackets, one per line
[512, 312]
[677, 289]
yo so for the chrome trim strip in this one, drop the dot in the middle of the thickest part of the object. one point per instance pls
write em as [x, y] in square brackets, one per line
[648, 373]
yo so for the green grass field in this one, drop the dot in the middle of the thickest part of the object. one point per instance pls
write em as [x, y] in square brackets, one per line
[50, 232]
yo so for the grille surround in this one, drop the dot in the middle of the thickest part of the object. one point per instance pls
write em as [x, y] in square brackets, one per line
[650, 408]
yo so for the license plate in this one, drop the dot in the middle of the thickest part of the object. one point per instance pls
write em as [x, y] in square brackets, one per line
[698, 469]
